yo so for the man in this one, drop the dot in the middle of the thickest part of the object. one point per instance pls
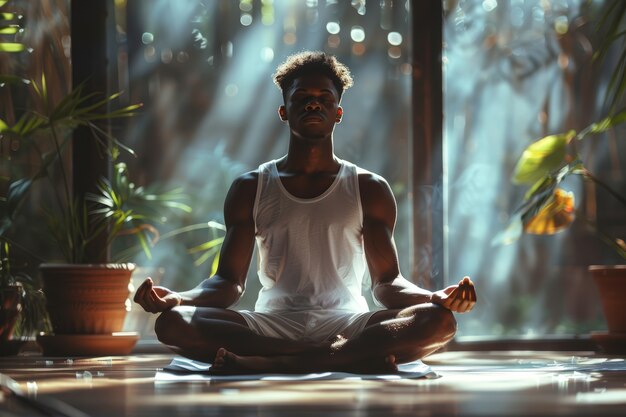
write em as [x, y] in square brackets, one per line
[317, 221]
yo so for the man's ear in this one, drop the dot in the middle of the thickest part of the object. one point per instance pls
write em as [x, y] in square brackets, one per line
[282, 112]
[339, 114]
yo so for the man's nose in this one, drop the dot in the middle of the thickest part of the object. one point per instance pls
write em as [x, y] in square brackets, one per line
[313, 105]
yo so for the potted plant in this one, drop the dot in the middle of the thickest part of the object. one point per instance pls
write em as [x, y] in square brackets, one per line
[547, 208]
[84, 298]
[22, 305]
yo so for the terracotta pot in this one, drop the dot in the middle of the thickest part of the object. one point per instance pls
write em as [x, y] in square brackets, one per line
[611, 283]
[86, 298]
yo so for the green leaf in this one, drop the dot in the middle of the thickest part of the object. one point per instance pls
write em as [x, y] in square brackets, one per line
[541, 158]
[205, 256]
[12, 47]
[9, 30]
[27, 124]
[3, 126]
[606, 123]
[214, 266]
[144, 245]
[207, 245]
[12, 79]
[16, 194]
[542, 185]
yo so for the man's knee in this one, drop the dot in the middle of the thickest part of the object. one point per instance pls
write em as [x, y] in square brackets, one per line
[167, 326]
[446, 322]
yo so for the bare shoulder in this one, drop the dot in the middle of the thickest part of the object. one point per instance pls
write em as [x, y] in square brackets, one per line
[245, 183]
[240, 198]
[377, 198]
[373, 186]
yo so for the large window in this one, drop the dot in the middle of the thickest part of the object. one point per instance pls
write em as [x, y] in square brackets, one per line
[203, 70]
[516, 71]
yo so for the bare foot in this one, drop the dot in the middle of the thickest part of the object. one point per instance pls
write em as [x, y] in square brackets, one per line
[228, 363]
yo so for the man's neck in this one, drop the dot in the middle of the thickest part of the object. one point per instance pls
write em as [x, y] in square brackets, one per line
[309, 158]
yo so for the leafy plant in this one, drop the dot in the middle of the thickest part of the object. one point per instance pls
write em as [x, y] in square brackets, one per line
[32, 313]
[610, 26]
[9, 27]
[206, 250]
[544, 164]
[547, 208]
[132, 210]
[75, 223]
[119, 208]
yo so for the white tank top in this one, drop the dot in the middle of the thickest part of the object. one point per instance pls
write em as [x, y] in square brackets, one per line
[310, 250]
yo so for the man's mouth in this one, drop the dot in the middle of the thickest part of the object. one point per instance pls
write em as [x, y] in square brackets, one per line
[312, 117]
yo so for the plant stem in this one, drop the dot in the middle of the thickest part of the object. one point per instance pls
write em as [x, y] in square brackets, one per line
[618, 197]
[68, 197]
[22, 248]
[43, 163]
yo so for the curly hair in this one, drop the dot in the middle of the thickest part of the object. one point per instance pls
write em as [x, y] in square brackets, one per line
[308, 62]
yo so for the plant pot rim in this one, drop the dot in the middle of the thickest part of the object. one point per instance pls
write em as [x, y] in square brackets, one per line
[129, 266]
[599, 267]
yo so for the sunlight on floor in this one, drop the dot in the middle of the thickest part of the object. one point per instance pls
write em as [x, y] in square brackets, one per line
[468, 383]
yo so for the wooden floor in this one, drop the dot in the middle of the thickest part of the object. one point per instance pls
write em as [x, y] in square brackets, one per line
[469, 384]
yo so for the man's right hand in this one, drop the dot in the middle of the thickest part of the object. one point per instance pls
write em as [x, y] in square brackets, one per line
[155, 299]
[459, 298]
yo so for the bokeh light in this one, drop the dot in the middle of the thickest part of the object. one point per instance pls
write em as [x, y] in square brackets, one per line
[357, 33]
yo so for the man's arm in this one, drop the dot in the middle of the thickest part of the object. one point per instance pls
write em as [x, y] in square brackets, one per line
[388, 286]
[226, 286]
[379, 218]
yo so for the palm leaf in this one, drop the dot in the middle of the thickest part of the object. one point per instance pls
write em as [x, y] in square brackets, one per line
[604, 124]
[207, 245]
[12, 47]
[9, 30]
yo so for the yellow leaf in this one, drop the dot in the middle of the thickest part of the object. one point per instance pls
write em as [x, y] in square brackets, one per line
[555, 216]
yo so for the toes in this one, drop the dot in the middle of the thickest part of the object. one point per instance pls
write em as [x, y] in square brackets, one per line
[220, 357]
[391, 362]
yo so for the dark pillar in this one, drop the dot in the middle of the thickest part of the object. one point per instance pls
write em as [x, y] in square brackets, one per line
[89, 65]
[427, 99]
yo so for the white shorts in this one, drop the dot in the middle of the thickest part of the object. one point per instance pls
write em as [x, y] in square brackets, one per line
[309, 325]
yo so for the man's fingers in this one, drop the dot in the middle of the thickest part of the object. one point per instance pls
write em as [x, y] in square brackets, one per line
[149, 303]
[147, 298]
[144, 288]
[454, 293]
[473, 294]
[465, 306]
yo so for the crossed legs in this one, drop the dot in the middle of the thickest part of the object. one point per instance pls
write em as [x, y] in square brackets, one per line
[222, 337]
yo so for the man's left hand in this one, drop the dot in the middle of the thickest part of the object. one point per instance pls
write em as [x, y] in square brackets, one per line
[459, 298]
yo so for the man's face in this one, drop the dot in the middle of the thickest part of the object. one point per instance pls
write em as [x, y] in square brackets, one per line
[311, 106]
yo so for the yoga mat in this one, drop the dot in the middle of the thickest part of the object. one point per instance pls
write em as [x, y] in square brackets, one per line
[183, 369]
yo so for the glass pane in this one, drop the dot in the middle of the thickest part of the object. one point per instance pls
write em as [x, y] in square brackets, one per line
[516, 71]
[204, 69]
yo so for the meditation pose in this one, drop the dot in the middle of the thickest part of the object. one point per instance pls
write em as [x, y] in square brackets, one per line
[318, 222]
